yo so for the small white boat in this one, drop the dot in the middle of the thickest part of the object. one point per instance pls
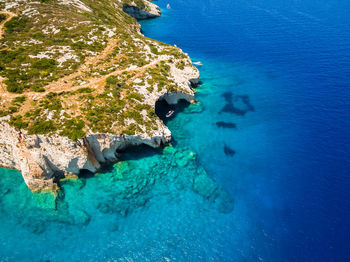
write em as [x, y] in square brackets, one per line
[198, 63]
[168, 6]
[170, 113]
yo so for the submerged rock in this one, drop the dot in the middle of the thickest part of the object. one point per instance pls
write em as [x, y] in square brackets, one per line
[81, 217]
[225, 124]
[205, 186]
[210, 190]
[34, 226]
[239, 104]
[228, 151]
[45, 200]
[114, 227]
[194, 108]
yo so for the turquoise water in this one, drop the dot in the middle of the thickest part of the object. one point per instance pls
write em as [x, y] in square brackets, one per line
[258, 171]
[131, 211]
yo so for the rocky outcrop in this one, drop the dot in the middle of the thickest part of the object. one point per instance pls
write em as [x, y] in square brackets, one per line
[43, 159]
[149, 11]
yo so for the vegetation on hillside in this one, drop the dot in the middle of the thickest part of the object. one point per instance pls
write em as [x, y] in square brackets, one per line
[71, 70]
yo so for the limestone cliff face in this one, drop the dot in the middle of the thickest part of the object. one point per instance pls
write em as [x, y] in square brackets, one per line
[43, 159]
[150, 10]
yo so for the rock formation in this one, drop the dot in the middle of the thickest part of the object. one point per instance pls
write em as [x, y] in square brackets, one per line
[149, 11]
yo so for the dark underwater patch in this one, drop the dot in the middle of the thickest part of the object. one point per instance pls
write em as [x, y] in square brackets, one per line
[228, 96]
[229, 151]
[246, 101]
[229, 108]
[238, 105]
[225, 124]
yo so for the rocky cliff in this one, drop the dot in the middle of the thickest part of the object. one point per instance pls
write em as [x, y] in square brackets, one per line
[72, 103]
[149, 10]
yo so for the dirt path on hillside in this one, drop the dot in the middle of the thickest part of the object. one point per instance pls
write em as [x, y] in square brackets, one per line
[67, 83]
[9, 15]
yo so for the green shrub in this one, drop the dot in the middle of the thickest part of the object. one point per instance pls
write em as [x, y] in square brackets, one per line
[52, 102]
[38, 35]
[151, 113]
[42, 127]
[73, 129]
[19, 100]
[150, 81]
[136, 96]
[7, 56]
[18, 122]
[154, 50]
[79, 45]
[44, 63]
[33, 113]
[140, 4]
[180, 65]
[130, 130]
[3, 113]
[150, 89]
[135, 115]
[84, 90]
[13, 87]
[112, 80]
[37, 88]
[13, 109]
[2, 17]
[16, 24]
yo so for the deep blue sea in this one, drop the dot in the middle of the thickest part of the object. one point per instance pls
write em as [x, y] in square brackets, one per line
[271, 130]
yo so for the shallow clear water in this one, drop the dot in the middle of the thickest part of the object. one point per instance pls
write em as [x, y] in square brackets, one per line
[279, 71]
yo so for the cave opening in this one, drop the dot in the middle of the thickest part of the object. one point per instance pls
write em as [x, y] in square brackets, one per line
[162, 108]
